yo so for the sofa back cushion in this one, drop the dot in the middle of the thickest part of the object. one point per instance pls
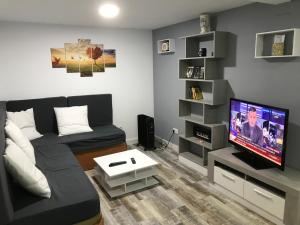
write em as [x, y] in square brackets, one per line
[100, 110]
[43, 108]
[6, 207]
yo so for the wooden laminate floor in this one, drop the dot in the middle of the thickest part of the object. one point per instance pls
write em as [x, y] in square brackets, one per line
[182, 198]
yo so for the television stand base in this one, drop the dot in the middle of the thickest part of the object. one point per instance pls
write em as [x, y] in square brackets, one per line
[276, 184]
[255, 162]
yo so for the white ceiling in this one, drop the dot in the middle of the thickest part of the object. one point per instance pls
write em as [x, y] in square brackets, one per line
[140, 14]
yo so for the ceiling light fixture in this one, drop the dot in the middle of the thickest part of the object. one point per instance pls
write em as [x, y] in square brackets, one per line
[109, 10]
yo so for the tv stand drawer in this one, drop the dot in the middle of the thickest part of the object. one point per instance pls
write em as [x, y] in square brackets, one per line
[229, 181]
[264, 199]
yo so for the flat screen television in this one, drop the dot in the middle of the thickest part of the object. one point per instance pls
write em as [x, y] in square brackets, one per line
[259, 132]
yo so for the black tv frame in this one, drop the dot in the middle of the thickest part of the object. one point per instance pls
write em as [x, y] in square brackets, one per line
[259, 157]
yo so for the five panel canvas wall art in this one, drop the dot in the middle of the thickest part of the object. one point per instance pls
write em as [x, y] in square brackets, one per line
[83, 57]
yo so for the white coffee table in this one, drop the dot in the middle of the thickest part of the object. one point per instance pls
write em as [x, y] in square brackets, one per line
[126, 178]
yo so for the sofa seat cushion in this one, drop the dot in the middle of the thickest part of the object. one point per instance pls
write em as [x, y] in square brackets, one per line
[73, 199]
[47, 139]
[55, 157]
[100, 137]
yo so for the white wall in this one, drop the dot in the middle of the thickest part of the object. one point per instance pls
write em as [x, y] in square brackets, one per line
[25, 67]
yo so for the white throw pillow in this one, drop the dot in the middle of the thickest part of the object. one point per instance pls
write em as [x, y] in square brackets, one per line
[25, 172]
[25, 121]
[18, 137]
[72, 120]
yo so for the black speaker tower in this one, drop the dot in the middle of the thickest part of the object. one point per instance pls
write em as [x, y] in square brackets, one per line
[146, 132]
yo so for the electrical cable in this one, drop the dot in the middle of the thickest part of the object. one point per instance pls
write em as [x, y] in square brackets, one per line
[165, 145]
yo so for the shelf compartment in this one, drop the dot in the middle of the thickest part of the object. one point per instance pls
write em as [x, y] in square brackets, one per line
[264, 41]
[210, 67]
[193, 152]
[193, 157]
[211, 114]
[218, 135]
[198, 120]
[202, 101]
[197, 141]
[213, 92]
[199, 113]
[187, 109]
[214, 42]
[194, 119]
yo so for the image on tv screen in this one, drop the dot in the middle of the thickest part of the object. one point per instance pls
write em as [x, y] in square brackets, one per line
[259, 129]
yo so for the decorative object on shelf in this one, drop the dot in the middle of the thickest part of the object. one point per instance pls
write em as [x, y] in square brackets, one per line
[189, 71]
[196, 93]
[204, 23]
[203, 133]
[202, 52]
[278, 45]
[202, 72]
[166, 46]
[83, 57]
[198, 72]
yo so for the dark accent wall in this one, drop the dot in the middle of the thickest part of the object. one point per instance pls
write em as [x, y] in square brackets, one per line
[272, 82]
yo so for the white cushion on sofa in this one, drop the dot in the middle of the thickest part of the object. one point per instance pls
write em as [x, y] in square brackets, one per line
[25, 121]
[24, 171]
[18, 137]
[72, 120]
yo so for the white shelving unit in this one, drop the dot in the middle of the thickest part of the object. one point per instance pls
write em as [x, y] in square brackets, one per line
[193, 151]
[264, 41]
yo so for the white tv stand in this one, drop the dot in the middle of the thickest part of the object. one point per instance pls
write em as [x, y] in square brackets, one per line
[272, 193]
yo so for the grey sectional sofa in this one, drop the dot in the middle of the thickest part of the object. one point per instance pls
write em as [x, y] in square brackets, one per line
[74, 200]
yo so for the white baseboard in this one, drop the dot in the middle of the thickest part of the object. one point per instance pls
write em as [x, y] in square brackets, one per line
[131, 141]
[171, 145]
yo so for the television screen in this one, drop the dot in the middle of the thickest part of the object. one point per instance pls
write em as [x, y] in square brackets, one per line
[260, 129]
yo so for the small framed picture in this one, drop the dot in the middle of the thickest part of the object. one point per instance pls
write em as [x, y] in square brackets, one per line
[197, 72]
[166, 46]
[189, 71]
[278, 45]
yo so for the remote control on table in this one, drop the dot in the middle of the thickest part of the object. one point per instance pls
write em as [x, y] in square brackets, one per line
[133, 161]
[117, 163]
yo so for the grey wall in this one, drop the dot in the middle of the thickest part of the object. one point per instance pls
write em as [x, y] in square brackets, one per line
[273, 82]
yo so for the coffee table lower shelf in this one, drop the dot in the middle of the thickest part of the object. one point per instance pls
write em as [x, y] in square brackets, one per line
[132, 184]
